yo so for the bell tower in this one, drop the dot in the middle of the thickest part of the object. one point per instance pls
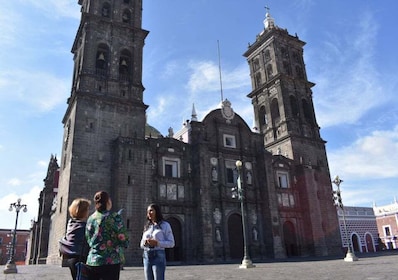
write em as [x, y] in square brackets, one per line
[106, 101]
[284, 115]
[281, 95]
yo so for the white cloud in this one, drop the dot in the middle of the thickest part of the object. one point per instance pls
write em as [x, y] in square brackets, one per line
[39, 90]
[199, 84]
[29, 198]
[14, 182]
[372, 156]
[205, 77]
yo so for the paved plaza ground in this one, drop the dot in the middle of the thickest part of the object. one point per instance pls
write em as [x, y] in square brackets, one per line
[375, 266]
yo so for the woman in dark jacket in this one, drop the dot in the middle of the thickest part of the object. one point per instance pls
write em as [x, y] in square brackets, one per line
[74, 245]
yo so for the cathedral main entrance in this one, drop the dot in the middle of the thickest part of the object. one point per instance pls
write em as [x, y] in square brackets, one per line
[175, 254]
[235, 236]
[289, 235]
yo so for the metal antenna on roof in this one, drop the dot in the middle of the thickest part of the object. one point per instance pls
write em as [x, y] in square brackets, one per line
[219, 70]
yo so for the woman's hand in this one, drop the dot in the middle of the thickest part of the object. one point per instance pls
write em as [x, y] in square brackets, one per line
[151, 242]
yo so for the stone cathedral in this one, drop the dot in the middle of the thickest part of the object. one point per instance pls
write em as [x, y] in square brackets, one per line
[108, 145]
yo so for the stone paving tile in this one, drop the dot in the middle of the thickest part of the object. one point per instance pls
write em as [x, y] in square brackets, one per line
[381, 266]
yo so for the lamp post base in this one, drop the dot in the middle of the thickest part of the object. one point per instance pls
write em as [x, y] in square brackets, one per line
[350, 257]
[247, 263]
[11, 267]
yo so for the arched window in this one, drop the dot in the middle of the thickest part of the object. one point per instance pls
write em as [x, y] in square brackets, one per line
[126, 17]
[269, 71]
[287, 68]
[299, 72]
[106, 10]
[294, 106]
[102, 59]
[124, 65]
[262, 116]
[275, 114]
[267, 55]
[258, 79]
[256, 64]
[307, 112]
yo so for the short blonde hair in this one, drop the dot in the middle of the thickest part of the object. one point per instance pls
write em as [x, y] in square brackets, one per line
[79, 208]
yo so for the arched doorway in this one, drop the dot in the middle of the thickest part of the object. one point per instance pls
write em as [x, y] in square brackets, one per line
[369, 243]
[175, 254]
[289, 235]
[235, 236]
[355, 243]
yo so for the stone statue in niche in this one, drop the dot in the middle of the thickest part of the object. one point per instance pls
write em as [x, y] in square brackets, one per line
[218, 235]
[214, 174]
[249, 178]
[255, 234]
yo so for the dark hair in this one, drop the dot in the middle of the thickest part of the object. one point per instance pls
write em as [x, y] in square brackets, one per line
[101, 199]
[159, 215]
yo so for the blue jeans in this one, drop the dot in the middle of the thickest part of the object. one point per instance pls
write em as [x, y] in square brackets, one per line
[154, 264]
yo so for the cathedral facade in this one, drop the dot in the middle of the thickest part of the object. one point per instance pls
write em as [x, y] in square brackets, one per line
[192, 173]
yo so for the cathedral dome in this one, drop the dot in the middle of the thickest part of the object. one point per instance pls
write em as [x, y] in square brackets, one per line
[151, 132]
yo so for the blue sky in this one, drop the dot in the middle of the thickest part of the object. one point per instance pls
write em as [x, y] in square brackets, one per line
[351, 55]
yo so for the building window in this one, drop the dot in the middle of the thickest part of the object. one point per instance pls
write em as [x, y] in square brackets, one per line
[258, 79]
[287, 68]
[262, 116]
[126, 16]
[387, 230]
[256, 64]
[102, 59]
[231, 173]
[299, 72]
[229, 141]
[124, 66]
[67, 134]
[283, 179]
[269, 71]
[267, 55]
[171, 168]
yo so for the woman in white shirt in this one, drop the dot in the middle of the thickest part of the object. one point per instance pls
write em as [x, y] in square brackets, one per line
[157, 236]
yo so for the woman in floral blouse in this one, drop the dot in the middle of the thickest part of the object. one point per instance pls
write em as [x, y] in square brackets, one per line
[106, 234]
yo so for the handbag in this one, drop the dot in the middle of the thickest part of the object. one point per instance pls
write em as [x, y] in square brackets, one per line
[82, 271]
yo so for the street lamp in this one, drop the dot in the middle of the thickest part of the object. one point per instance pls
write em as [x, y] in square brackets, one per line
[246, 262]
[350, 256]
[11, 267]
